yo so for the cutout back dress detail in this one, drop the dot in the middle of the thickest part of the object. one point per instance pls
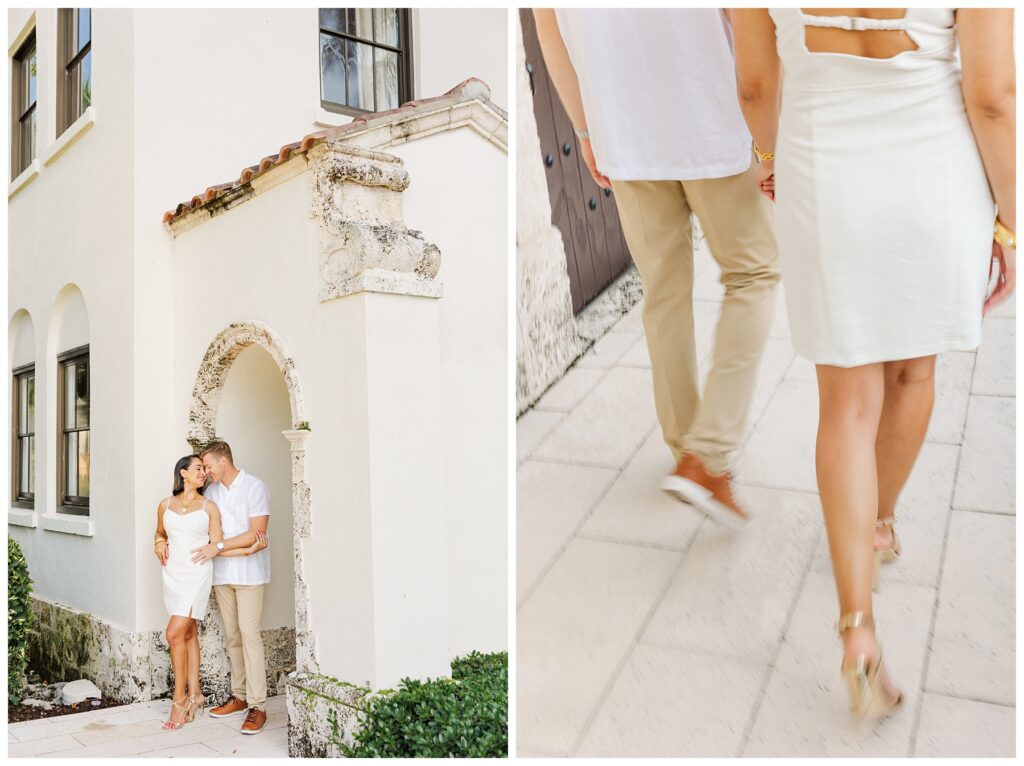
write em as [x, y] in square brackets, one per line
[882, 207]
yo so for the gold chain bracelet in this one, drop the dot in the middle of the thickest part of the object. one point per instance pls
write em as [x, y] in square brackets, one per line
[763, 156]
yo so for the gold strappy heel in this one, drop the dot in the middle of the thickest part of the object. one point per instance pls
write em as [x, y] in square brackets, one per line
[197, 707]
[886, 554]
[177, 703]
[869, 700]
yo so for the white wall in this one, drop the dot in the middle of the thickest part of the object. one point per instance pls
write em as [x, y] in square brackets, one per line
[73, 324]
[73, 225]
[474, 354]
[252, 413]
[277, 264]
[22, 343]
[451, 173]
[92, 218]
[455, 43]
[242, 120]
[246, 108]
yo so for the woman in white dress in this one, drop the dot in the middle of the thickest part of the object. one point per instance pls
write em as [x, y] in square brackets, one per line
[887, 160]
[184, 521]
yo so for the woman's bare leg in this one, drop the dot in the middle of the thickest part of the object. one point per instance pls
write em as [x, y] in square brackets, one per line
[177, 627]
[906, 410]
[192, 642]
[850, 407]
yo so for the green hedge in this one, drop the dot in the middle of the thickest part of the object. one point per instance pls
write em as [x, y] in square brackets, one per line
[19, 620]
[465, 716]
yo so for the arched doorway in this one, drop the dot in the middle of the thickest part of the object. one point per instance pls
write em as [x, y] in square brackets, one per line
[266, 389]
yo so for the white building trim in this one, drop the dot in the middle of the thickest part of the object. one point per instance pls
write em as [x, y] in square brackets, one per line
[75, 131]
[23, 517]
[67, 523]
[24, 178]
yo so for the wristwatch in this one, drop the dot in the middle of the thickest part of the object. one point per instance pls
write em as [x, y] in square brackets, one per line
[220, 546]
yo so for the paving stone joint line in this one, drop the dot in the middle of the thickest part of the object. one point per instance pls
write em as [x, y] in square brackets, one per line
[916, 725]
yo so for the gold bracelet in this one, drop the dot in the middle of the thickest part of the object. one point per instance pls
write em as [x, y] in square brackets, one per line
[763, 156]
[1004, 236]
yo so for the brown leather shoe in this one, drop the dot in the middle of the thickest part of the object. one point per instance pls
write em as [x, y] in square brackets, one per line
[255, 720]
[233, 706]
[710, 493]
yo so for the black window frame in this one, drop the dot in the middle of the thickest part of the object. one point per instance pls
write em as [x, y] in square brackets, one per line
[21, 499]
[77, 505]
[20, 110]
[69, 97]
[405, 61]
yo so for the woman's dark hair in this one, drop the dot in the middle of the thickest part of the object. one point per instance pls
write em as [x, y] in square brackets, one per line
[182, 465]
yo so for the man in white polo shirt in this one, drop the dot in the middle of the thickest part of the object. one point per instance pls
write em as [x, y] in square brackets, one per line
[239, 582]
[652, 96]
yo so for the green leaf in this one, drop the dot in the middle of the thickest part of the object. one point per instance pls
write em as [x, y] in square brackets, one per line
[463, 716]
[19, 620]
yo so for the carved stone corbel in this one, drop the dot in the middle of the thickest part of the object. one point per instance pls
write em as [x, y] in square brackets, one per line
[364, 244]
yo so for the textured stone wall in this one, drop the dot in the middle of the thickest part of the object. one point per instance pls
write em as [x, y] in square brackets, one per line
[213, 370]
[364, 244]
[321, 712]
[546, 339]
[66, 644]
[602, 313]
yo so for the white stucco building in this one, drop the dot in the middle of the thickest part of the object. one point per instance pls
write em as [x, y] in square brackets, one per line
[336, 311]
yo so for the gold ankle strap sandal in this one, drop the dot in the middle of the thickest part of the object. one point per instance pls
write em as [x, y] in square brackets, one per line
[196, 706]
[868, 698]
[185, 707]
[886, 554]
[893, 549]
[855, 620]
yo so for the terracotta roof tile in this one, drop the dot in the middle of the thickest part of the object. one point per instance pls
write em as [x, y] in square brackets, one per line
[467, 90]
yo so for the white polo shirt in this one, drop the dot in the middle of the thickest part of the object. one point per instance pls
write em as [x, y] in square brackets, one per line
[246, 497]
[659, 91]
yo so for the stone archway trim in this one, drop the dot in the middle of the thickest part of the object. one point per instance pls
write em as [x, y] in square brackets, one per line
[213, 370]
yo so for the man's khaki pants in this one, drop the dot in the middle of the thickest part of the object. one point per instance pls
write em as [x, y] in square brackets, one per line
[241, 609]
[737, 222]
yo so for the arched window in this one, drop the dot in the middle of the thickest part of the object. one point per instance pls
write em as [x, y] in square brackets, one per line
[23, 420]
[73, 410]
[73, 406]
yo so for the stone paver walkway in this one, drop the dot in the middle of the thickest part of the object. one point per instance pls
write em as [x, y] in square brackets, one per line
[135, 730]
[644, 629]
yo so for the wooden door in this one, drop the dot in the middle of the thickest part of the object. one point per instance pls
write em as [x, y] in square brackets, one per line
[595, 250]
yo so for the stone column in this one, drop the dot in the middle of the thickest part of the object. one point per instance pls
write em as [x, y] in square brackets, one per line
[380, 289]
[305, 645]
[546, 339]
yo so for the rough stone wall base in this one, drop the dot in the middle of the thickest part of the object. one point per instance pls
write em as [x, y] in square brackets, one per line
[597, 318]
[65, 644]
[602, 313]
[322, 711]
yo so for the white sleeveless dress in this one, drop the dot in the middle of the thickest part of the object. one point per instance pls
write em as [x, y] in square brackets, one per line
[186, 585]
[883, 212]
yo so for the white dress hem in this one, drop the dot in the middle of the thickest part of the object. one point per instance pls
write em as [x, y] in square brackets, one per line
[875, 356]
